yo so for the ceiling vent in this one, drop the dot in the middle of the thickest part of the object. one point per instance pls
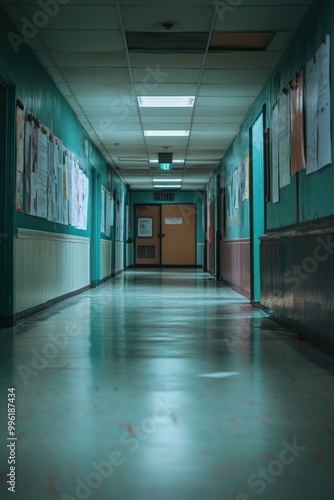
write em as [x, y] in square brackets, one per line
[166, 42]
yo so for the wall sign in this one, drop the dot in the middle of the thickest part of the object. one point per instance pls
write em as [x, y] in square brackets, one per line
[173, 220]
[145, 227]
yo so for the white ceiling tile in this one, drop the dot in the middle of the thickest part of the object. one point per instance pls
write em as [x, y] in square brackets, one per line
[224, 101]
[230, 90]
[90, 58]
[167, 119]
[156, 75]
[242, 60]
[182, 61]
[82, 40]
[234, 76]
[121, 113]
[218, 119]
[100, 75]
[141, 19]
[165, 112]
[101, 89]
[221, 111]
[162, 89]
[112, 103]
[72, 17]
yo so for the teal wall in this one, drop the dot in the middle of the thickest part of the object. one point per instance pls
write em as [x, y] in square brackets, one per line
[256, 203]
[147, 198]
[39, 95]
[237, 222]
[313, 193]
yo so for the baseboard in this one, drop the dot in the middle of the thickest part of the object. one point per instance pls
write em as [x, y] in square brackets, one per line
[237, 288]
[303, 333]
[41, 307]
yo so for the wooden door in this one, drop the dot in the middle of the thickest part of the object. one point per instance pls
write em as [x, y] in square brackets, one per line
[147, 245]
[178, 231]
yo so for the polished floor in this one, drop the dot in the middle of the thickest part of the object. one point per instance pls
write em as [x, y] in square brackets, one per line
[165, 385]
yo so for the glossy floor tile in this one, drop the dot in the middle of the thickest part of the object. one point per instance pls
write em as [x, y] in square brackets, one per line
[165, 385]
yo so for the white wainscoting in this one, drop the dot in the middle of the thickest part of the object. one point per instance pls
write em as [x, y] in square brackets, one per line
[106, 254]
[119, 257]
[48, 266]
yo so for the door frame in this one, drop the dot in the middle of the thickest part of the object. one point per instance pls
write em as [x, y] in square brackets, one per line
[257, 200]
[160, 205]
[7, 203]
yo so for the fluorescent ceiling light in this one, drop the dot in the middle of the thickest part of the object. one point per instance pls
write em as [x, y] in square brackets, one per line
[174, 161]
[167, 180]
[161, 186]
[167, 101]
[166, 133]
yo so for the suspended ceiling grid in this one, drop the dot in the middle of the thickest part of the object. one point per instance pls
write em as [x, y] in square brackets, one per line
[91, 51]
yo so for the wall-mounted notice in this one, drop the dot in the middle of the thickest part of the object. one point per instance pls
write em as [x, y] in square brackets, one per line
[173, 220]
[312, 115]
[31, 168]
[20, 120]
[103, 210]
[274, 154]
[324, 106]
[145, 227]
[109, 213]
[318, 109]
[284, 147]
[245, 179]
[42, 173]
[297, 124]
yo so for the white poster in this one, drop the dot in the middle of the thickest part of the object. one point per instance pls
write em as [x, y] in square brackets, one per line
[274, 154]
[108, 212]
[103, 210]
[311, 96]
[52, 183]
[245, 179]
[64, 194]
[31, 145]
[42, 174]
[284, 148]
[20, 126]
[324, 106]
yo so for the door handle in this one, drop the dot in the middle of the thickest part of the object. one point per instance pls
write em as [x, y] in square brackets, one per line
[163, 235]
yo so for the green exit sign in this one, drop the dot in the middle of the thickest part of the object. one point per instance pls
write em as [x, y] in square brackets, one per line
[165, 166]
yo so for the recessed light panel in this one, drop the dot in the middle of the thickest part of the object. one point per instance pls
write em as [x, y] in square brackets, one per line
[166, 133]
[166, 101]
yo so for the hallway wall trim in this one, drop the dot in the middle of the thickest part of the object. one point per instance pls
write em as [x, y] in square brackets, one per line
[106, 259]
[297, 281]
[41, 307]
[235, 264]
[119, 257]
[48, 266]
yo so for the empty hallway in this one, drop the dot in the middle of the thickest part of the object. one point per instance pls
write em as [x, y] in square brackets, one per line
[165, 384]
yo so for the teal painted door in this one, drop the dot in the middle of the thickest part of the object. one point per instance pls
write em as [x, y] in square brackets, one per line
[257, 220]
